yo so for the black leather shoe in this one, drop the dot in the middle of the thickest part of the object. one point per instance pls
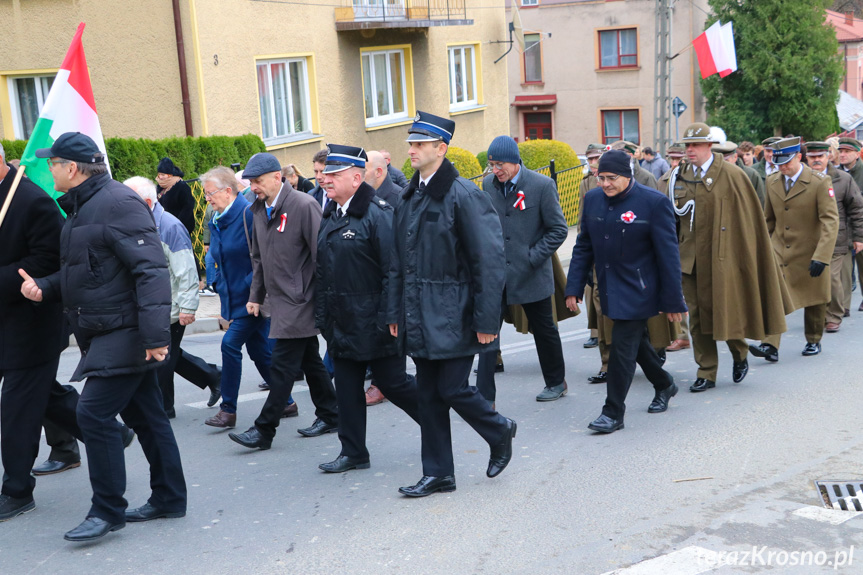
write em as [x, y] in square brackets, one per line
[660, 400]
[741, 368]
[264, 386]
[592, 342]
[128, 435]
[662, 356]
[92, 528]
[604, 424]
[215, 388]
[600, 377]
[766, 351]
[812, 349]
[319, 427]
[14, 506]
[428, 485]
[702, 384]
[52, 466]
[147, 513]
[344, 463]
[252, 438]
[501, 454]
[498, 368]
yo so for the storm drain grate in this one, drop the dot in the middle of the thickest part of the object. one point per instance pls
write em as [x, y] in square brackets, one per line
[842, 495]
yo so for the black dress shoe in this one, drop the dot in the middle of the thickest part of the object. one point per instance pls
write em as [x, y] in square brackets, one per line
[215, 387]
[741, 368]
[592, 342]
[702, 384]
[660, 400]
[498, 368]
[14, 506]
[263, 386]
[600, 377]
[319, 427]
[147, 513]
[766, 351]
[847, 313]
[662, 356]
[252, 438]
[501, 454]
[52, 466]
[812, 349]
[428, 485]
[128, 435]
[604, 424]
[92, 528]
[344, 463]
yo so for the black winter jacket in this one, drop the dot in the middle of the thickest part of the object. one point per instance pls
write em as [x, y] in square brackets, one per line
[353, 263]
[113, 278]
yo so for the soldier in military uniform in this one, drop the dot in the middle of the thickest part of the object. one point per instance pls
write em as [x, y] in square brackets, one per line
[730, 278]
[728, 149]
[639, 174]
[801, 215]
[765, 167]
[588, 182]
[675, 154]
[849, 157]
[849, 203]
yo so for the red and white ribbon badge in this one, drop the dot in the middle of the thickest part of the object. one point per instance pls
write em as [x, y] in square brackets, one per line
[283, 222]
[627, 217]
[519, 203]
[832, 194]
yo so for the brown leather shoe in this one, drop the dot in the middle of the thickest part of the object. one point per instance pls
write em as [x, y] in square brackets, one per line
[222, 419]
[831, 327]
[291, 410]
[374, 395]
[677, 345]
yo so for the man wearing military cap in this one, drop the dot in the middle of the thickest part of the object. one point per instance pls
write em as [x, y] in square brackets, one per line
[730, 278]
[675, 154]
[446, 285]
[728, 149]
[639, 174]
[765, 167]
[803, 222]
[588, 182]
[849, 203]
[849, 157]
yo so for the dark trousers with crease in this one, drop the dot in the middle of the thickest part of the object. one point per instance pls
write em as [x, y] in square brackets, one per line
[630, 344]
[292, 358]
[187, 366]
[442, 384]
[548, 348]
[27, 396]
[389, 375]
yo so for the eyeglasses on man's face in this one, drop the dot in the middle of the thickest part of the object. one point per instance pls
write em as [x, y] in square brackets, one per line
[601, 179]
[52, 162]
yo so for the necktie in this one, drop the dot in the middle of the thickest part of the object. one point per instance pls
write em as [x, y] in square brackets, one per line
[339, 213]
[508, 187]
[269, 212]
[788, 184]
[422, 186]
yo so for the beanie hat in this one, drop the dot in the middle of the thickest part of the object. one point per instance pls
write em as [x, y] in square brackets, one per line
[615, 162]
[503, 149]
[166, 166]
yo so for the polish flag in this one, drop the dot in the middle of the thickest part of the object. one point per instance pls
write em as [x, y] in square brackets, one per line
[715, 50]
[70, 107]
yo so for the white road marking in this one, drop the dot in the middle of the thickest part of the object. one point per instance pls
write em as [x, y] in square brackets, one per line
[246, 397]
[687, 561]
[825, 515]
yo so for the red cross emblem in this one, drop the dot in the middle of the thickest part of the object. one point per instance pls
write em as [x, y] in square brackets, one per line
[832, 194]
[627, 217]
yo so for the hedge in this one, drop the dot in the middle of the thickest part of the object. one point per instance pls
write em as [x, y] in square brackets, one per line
[482, 158]
[538, 153]
[465, 162]
[139, 157]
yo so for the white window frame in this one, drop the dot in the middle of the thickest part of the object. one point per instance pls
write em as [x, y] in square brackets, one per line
[530, 2]
[41, 96]
[467, 102]
[377, 119]
[276, 138]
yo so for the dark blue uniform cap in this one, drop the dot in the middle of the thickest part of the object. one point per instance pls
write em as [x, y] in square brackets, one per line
[341, 158]
[430, 128]
[785, 150]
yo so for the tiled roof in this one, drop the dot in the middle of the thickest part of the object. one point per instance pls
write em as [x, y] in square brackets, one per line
[845, 32]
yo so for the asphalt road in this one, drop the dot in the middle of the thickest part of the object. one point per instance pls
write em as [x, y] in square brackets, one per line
[570, 502]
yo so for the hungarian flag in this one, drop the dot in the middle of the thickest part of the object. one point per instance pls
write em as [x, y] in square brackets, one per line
[70, 107]
[715, 50]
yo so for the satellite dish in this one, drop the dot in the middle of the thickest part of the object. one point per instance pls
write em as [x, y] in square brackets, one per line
[516, 28]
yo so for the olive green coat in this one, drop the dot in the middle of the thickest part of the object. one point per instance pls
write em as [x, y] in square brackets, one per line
[803, 225]
[740, 292]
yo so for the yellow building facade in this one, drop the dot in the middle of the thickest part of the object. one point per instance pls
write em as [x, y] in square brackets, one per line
[297, 74]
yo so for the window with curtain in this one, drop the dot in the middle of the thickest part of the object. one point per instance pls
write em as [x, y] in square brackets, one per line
[283, 96]
[618, 48]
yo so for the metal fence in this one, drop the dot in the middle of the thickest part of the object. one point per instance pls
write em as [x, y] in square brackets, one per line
[200, 224]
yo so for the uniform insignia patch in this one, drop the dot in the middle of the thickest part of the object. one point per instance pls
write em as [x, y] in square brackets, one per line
[830, 191]
[381, 202]
[140, 242]
[627, 217]
[349, 234]
[417, 117]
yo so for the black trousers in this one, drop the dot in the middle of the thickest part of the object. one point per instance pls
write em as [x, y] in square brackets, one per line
[389, 375]
[548, 348]
[25, 399]
[442, 384]
[186, 365]
[630, 343]
[137, 399]
[292, 358]
[64, 446]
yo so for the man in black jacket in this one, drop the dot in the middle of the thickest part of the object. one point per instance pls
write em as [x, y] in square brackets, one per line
[446, 284]
[31, 338]
[113, 281]
[396, 175]
[354, 246]
[377, 177]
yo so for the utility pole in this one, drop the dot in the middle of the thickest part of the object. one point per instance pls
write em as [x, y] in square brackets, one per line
[662, 82]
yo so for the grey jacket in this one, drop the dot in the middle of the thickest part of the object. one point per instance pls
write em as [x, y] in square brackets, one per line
[530, 235]
[283, 262]
[389, 192]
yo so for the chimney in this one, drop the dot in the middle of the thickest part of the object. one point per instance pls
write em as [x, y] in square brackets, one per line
[849, 18]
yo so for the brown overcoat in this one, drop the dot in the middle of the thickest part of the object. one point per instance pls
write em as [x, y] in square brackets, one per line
[803, 225]
[849, 202]
[740, 292]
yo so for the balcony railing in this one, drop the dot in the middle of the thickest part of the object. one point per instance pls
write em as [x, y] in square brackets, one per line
[365, 14]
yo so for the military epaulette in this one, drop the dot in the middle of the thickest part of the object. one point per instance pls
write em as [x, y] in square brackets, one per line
[819, 174]
[383, 204]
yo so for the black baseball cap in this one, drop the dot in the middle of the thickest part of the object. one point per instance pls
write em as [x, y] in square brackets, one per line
[73, 146]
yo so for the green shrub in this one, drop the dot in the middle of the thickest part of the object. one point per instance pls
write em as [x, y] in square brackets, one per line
[538, 153]
[13, 148]
[482, 158]
[465, 162]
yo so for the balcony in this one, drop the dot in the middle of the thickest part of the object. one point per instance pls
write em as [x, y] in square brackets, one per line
[373, 14]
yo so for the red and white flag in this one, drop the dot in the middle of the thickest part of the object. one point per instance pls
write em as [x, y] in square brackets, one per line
[715, 50]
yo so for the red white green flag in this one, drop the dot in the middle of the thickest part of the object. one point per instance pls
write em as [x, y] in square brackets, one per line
[70, 107]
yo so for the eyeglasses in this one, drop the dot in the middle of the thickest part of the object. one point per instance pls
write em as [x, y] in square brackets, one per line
[496, 165]
[210, 194]
[52, 162]
[601, 179]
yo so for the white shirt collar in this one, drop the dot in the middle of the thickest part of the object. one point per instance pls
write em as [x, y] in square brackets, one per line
[703, 169]
[427, 180]
[795, 176]
[344, 206]
[276, 199]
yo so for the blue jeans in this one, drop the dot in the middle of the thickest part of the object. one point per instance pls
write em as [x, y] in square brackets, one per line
[252, 332]
[211, 268]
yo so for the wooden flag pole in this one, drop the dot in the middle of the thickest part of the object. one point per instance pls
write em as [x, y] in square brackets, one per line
[11, 194]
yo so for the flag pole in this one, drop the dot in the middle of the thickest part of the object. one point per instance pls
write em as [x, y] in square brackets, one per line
[11, 194]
